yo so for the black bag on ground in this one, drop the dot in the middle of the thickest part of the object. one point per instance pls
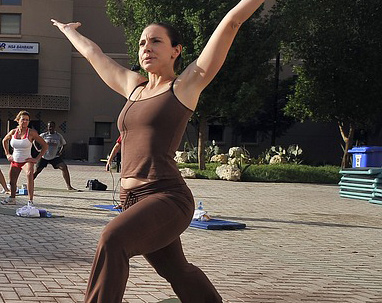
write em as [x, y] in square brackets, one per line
[94, 184]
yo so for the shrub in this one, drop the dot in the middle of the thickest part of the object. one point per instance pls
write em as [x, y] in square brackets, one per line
[279, 154]
[276, 173]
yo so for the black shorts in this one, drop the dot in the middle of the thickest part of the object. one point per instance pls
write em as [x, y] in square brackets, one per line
[42, 163]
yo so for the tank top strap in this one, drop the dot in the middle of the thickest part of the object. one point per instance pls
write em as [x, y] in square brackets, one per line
[15, 134]
[26, 135]
[143, 83]
[172, 85]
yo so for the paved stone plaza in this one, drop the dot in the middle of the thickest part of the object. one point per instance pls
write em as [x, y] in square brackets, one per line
[303, 243]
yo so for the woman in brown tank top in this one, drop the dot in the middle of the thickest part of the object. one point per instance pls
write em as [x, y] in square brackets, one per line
[158, 206]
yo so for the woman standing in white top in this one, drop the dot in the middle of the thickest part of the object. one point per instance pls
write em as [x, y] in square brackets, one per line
[21, 139]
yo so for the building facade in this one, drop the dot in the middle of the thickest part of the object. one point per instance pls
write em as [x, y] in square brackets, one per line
[42, 73]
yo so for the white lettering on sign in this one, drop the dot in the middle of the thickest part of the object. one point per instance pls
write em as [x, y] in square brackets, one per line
[20, 47]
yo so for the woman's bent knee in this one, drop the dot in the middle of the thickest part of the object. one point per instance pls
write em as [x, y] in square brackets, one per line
[116, 243]
[109, 239]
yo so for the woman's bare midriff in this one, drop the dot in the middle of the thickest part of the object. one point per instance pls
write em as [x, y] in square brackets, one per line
[129, 183]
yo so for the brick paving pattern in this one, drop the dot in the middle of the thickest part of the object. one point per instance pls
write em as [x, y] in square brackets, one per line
[303, 243]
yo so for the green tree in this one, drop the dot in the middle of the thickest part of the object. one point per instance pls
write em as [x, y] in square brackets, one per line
[339, 45]
[240, 88]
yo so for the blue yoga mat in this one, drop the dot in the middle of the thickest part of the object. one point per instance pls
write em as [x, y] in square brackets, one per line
[213, 224]
[108, 207]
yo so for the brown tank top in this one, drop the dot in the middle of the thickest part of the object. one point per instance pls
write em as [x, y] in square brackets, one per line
[151, 131]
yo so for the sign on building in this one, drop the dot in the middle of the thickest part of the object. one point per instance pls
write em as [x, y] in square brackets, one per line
[19, 47]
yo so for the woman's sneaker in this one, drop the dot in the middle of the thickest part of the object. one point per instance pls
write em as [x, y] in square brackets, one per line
[9, 201]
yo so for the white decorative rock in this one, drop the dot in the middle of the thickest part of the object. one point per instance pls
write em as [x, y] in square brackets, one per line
[187, 173]
[277, 159]
[228, 172]
[221, 158]
[180, 157]
[235, 152]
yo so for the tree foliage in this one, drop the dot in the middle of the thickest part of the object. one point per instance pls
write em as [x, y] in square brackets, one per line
[240, 88]
[338, 44]
[242, 76]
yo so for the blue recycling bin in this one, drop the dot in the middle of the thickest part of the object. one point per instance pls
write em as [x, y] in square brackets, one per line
[367, 156]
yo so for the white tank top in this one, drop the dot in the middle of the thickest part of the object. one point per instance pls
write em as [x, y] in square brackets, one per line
[21, 147]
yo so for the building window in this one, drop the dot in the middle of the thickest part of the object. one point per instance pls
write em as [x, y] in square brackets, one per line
[21, 77]
[103, 130]
[216, 132]
[10, 2]
[10, 24]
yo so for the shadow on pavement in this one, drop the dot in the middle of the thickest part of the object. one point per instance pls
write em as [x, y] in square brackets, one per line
[314, 223]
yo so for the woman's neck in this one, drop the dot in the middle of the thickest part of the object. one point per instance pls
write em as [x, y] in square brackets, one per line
[156, 81]
[21, 129]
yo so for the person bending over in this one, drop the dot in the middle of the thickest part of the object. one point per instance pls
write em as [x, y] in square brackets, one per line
[56, 143]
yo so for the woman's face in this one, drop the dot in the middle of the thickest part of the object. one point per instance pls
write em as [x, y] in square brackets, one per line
[23, 121]
[155, 49]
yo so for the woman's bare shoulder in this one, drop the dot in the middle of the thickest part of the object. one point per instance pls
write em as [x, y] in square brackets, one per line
[133, 81]
[10, 134]
[187, 90]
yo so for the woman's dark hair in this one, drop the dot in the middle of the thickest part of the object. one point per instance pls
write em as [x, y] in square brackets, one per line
[176, 39]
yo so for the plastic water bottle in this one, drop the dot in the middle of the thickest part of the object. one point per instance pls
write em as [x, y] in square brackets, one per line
[200, 205]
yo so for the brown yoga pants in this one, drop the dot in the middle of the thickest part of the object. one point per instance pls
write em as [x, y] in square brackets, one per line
[156, 214]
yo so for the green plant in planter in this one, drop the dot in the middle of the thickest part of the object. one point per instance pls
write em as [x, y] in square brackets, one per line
[211, 150]
[192, 151]
[293, 154]
[241, 158]
[278, 154]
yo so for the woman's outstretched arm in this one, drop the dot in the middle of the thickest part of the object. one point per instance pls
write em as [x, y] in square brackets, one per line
[201, 72]
[114, 75]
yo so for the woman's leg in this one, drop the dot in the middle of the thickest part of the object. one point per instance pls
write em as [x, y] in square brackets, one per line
[151, 224]
[29, 170]
[14, 173]
[189, 283]
[3, 182]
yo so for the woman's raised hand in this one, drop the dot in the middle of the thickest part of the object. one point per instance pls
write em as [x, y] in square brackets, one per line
[113, 74]
[63, 27]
